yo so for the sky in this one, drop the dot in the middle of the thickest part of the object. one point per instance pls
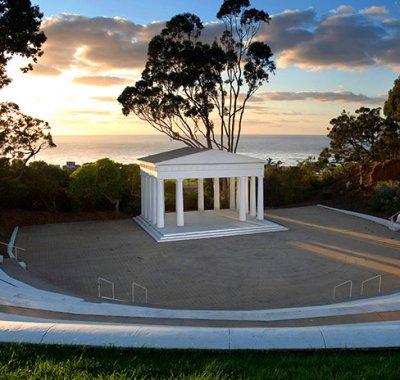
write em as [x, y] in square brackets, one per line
[330, 55]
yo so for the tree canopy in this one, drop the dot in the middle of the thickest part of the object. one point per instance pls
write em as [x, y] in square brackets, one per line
[19, 34]
[363, 137]
[22, 136]
[391, 108]
[196, 92]
[96, 182]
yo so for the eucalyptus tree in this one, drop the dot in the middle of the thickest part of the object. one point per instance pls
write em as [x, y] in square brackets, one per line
[22, 136]
[197, 92]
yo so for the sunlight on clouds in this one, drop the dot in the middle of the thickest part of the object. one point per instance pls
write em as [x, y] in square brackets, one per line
[71, 108]
[375, 11]
[88, 62]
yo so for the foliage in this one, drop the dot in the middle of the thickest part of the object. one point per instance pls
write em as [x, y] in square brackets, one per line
[308, 180]
[363, 137]
[13, 192]
[44, 187]
[366, 136]
[24, 361]
[386, 197]
[391, 109]
[130, 188]
[95, 183]
[22, 136]
[191, 90]
[19, 34]
[285, 185]
[41, 187]
[47, 186]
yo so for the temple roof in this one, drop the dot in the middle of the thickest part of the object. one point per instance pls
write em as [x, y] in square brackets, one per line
[197, 156]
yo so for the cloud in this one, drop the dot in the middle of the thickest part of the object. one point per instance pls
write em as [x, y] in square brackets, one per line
[100, 80]
[45, 70]
[96, 44]
[104, 98]
[375, 11]
[343, 9]
[289, 29]
[344, 39]
[392, 23]
[92, 112]
[336, 96]
[75, 113]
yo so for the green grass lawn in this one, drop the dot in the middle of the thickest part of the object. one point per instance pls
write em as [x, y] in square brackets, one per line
[66, 362]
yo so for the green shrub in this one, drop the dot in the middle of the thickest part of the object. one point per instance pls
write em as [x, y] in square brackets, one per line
[386, 197]
[286, 185]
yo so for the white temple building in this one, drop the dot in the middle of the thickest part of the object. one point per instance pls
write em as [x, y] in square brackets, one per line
[246, 195]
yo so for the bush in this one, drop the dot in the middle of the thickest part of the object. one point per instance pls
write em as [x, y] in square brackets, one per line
[386, 197]
[47, 187]
[286, 185]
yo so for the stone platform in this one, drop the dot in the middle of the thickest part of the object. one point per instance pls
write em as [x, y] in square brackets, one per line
[207, 224]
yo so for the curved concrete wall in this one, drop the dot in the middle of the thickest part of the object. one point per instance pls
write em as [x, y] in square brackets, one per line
[368, 335]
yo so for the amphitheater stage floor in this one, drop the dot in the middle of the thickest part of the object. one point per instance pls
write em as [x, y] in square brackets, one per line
[297, 267]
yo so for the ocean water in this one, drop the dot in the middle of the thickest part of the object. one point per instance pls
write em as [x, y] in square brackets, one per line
[289, 149]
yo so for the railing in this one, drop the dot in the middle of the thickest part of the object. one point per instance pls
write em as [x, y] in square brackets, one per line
[16, 251]
[370, 279]
[342, 284]
[395, 216]
[99, 281]
[134, 284]
[9, 251]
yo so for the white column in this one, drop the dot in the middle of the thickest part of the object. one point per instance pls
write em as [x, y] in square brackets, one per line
[154, 200]
[237, 193]
[200, 194]
[242, 206]
[180, 221]
[232, 193]
[252, 196]
[146, 197]
[160, 203]
[216, 194]
[141, 194]
[247, 195]
[260, 198]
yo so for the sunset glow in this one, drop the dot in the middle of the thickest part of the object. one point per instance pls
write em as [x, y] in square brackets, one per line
[329, 57]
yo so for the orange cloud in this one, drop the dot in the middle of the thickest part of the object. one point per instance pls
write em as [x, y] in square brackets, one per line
[97, 80]
[104, 98]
